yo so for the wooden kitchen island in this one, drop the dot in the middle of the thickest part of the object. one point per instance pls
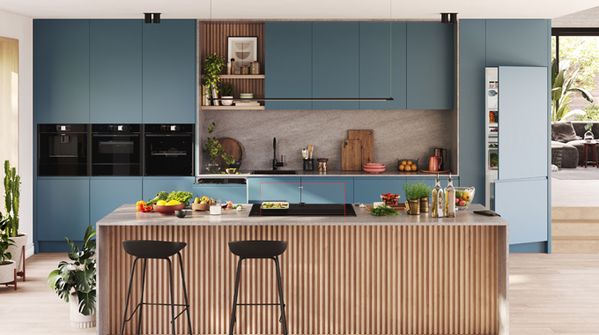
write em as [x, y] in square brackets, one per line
[342, 275]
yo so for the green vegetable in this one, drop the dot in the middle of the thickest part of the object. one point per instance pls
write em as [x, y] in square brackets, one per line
[159, 196]
[383, 211]
[180, 196]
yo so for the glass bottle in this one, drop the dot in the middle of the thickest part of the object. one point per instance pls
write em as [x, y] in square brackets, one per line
[440, 204]
[435, 198]
[450, 199]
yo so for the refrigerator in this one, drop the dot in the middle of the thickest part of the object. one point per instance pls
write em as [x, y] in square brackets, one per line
[517, 149]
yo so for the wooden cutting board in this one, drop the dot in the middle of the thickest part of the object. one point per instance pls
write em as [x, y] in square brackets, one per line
[366, 137]
[351, 155]
[232, 147]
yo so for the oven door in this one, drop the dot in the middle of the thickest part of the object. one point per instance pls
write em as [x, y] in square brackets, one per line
[62, 154]
[116, 155]
[169, 155]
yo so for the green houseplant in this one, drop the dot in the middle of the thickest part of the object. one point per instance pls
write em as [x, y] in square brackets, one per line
[415, 192]
[75, 281]
[226, 94]
[564, 85]
[7, 266]
[10, 223]
[213, 67]
[214, 149]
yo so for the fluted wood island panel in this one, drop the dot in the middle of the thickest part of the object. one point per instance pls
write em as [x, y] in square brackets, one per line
[396, 277]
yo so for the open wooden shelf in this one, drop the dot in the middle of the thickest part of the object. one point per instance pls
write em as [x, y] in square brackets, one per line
[232, 108]
[242, 76]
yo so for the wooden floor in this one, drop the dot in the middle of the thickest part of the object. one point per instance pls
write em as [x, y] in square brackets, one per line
[549, 294]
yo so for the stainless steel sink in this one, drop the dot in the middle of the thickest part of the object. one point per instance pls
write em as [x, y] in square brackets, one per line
[274, 172]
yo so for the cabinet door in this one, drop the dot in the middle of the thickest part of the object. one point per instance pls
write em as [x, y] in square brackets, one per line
[107, 194]
[320, 190]
[152, 185]
[336, 63]
[115, 61]
[169, 72]
[523, 204]
[518, 42]
[288, 71]
[375, 63]
[275, 189]
[61, 71]
[62, 208]
[235, 193]
[523, 111]
[369, 189]
[430, 65]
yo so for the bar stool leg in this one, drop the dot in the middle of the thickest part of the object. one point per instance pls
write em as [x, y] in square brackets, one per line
[128, 295]
[185, 293]
[235, 294]
[172, 287]
[141, 302]
[281, 299]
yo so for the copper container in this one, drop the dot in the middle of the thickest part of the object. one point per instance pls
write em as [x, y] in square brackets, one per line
[413, 207]
[424, 208]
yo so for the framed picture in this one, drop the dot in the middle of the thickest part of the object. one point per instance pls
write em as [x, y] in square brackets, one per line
[244, 50]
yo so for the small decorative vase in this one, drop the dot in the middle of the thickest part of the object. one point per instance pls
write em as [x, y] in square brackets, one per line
[215, 100]
[205, 95]
[589, 136]
[413, 207]
[226, 100]
[213, 167]
[424, 205]
[79, 320]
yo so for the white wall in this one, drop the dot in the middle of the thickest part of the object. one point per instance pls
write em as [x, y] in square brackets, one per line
[21, 28]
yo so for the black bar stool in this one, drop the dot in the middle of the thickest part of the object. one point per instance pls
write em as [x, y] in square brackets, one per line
[258, 250]
[145, 250]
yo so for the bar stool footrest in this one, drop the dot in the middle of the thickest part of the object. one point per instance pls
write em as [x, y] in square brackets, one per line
[157, 304]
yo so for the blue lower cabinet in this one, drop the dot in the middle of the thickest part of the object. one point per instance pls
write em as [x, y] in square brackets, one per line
[62, 210]
[369, 189]
[320, 190]
[235, 193]
[153, 185]
[107, 194]
[279, 189]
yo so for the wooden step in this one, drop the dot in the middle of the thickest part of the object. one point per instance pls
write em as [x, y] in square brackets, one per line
[575, 229]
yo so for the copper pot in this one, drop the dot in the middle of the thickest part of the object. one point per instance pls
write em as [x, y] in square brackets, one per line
[434, 163]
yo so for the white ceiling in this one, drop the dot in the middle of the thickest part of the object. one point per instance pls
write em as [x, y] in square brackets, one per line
[295, 9]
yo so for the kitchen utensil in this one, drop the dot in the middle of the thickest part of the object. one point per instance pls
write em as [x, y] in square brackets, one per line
[322, 164]
[444, 158]
[308, 165]
[366, 137]
[351, 155]
[200, 207]
[434, 163]
[233, 148]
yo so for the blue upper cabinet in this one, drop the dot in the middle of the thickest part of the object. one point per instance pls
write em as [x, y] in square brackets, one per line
[115, 73]
[320, 190]
[518, 42]
[375, 64]
[336, 64]
[288, 71]
[107, 194]
[430, 65]
[277, 189]
[61, 71]
[169, 72]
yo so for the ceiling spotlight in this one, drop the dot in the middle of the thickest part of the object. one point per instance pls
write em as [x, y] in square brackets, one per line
[152, 17]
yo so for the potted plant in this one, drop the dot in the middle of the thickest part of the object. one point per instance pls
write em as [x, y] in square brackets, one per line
[7, 266]
[75, 281]
[10, 224]
[416, 194]
[213, 67]
[215, 152]
[424, 191]
[226, 94]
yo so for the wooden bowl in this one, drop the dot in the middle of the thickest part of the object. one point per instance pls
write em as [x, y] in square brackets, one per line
[168, 210]
[200, 207]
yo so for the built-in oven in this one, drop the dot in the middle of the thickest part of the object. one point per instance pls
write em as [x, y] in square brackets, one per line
[116, 150]
[62, 150]
[169, 149]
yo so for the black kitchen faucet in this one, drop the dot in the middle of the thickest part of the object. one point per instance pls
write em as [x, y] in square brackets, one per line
[275, 163]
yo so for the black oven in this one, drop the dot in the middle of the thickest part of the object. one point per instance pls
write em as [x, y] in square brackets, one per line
[116, 150]
[169, 149]
[62, 150]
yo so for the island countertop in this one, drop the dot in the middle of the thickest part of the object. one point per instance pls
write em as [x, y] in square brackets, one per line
[127, 216]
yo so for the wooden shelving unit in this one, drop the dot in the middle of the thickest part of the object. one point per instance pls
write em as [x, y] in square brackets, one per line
[242, 76]
[232, 108]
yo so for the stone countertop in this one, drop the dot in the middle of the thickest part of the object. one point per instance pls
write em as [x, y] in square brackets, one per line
[127, 216]
[300, 173]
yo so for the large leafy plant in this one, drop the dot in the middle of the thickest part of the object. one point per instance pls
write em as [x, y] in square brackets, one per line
[214, 148]
[12, 184]
[213, 67]
[564, 85]
[5, 242]
[78, 277]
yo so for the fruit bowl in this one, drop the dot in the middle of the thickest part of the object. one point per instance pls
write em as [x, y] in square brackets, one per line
[463, 197]
[168, 210]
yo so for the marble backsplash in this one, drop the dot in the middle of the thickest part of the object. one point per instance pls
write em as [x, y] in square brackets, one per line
[397, 134]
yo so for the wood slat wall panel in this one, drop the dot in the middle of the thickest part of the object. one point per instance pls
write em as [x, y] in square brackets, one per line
[337, 279]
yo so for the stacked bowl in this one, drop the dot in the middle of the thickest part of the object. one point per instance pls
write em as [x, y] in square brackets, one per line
[374, 167]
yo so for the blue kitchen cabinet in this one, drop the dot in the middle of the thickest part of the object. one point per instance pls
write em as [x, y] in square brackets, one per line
[115, 71]
[430, 65]
[62, 208]
[153, 185]
[336, 64]
[288, 71]
[169, 72]
[61, 71]
[108, 193]
[518, 43]
[369, 189]
[325, 190]
[276, 189]
[375, 64]
[222, 192]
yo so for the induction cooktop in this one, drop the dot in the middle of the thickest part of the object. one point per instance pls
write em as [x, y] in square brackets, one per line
[306, 210]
